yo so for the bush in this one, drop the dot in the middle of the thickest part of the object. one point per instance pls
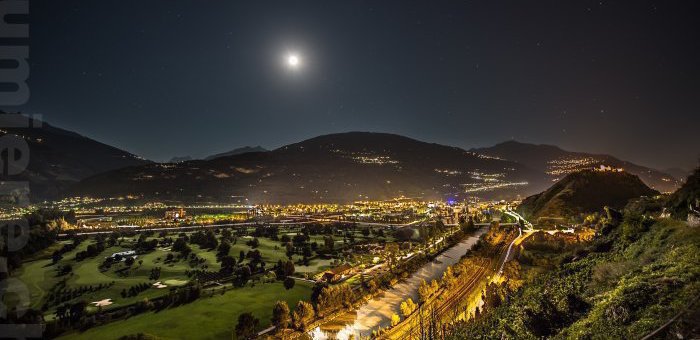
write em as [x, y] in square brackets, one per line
[245, 328]
[289, 283]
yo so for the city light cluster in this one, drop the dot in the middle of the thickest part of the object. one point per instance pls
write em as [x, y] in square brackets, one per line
[560, 167]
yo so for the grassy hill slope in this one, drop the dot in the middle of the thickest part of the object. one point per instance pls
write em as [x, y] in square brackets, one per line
[623, 286]
[585, 192]
[638, 274]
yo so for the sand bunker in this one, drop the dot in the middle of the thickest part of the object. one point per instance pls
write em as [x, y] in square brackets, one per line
[102, 303]
[159, 285]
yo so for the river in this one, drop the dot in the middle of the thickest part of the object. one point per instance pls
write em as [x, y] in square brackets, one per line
[377, 312]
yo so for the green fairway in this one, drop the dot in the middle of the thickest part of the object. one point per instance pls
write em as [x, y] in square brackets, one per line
[206, 318]
[315, 266]
[38, 276]
[86, 280]
[267, 249]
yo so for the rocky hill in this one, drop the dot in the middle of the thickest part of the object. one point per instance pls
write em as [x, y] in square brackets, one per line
[686, 198]
[585, 192]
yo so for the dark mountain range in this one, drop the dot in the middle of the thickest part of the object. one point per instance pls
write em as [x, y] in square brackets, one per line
[585, 191]
[679, 173]
[60, 158]
[333, 168]
[236, 151]
[554, 163]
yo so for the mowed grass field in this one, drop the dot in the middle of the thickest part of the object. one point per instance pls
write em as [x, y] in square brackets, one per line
[207, 318]
[40, 275]
[220, 313]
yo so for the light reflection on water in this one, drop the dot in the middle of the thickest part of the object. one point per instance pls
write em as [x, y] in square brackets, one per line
[377, 312]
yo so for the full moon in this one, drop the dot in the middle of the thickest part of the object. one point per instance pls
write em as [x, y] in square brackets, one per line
[293, 61]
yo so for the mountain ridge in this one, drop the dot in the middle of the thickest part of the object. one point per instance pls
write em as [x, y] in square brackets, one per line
[556, 162]
[338, 167]
[236, 151]
[334, 168]
[59, 158]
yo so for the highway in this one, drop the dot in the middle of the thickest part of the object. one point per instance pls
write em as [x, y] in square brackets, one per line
[237, 224]
[244, 224]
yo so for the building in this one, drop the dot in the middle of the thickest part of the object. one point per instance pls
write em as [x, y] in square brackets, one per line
[175, 214]
[607, 168]
[335, 274]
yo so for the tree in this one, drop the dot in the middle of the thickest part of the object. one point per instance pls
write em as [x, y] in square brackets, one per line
[391, 250]
[434, 286]
[330, 298]
[404, 234]
[253, 243]
[395, 319]
[245, 329]
[289, 283]
[66, 269]
[56, 256]
[179, 245]
[129, 261]
[425, 290]
[307, 250]
[226, 234]
[280, 315]
[329, 243]
[224, 248]
[407, 307]
[228, 262]
[254, 255]
[303, 315]
[448, 277]
[372, 286]
[243, 274]
[288, 268]
[77, 310]
[210, 241]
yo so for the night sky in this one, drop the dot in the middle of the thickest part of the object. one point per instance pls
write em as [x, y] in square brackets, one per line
[173, 78]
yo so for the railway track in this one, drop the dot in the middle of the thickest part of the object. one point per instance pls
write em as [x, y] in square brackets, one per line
[410, 327]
